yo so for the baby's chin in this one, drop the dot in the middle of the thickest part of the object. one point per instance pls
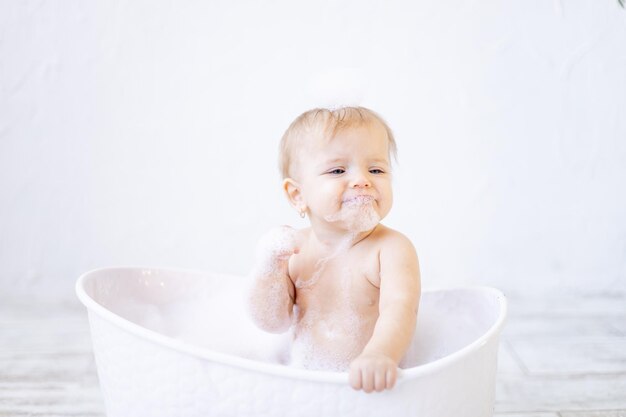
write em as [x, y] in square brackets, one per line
[363, 223]
[357, 216]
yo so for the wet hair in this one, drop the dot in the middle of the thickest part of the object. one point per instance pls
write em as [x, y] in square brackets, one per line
[326, 123]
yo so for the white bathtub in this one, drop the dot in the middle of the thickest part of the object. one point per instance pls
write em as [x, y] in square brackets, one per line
[148, 368]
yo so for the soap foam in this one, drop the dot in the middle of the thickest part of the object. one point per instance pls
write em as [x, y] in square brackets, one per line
[357, 213]
[339, 250]
[270, 272]
[212, 316]
[338, 345]
[275, 246]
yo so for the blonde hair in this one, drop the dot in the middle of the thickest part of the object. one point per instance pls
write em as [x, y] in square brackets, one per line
[326, 123]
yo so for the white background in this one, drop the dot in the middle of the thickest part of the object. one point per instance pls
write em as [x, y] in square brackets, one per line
[146, 132]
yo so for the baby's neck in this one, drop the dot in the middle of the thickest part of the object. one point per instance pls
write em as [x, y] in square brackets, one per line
[332, 241]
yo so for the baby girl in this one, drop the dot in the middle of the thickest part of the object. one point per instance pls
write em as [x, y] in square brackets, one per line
[347, 286]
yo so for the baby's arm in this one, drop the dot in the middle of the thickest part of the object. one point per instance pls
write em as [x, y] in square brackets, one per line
[272, 293]
[376, 367]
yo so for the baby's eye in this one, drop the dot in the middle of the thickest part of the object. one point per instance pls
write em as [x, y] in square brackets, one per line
[337, 171]
[376, 171]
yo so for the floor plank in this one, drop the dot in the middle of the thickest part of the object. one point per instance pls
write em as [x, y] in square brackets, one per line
[529, 394]
[572, 355]
[538, 414]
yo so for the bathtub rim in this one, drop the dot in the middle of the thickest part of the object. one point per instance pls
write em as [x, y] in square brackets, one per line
[277, 369]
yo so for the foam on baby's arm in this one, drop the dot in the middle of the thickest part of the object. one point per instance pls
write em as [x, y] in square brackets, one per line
[275, 247]
[271, 291]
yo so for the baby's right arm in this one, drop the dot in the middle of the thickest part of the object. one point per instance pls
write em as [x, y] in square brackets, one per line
[272, 294]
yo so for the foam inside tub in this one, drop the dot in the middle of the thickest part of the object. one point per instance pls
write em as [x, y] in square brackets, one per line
[209, 312]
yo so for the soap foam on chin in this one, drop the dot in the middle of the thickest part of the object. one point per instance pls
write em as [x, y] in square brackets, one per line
[357, 213]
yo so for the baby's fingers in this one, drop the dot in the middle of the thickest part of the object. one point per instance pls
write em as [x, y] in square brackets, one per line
[356, 380]
[371, 379]
[390, 377]
[364, 378]
[380, 380]
[367, 380]
[384, 378]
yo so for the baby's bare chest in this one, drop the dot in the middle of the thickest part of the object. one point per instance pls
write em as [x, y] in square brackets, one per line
[333, 285]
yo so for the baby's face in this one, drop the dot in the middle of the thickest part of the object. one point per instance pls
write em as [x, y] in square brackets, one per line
[346, 181]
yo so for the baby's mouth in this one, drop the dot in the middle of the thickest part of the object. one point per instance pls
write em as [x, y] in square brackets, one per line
[358, 200]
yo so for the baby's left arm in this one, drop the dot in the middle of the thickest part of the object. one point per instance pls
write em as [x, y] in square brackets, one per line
[375, 369]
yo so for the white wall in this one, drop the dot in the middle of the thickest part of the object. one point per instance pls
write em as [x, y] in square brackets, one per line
[145, 133]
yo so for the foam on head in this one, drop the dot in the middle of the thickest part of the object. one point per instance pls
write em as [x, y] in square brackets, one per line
[321, 123]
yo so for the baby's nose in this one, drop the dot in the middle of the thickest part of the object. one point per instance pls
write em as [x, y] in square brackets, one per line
[360, 181]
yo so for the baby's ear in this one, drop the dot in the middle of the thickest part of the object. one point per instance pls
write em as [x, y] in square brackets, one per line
[292, 190]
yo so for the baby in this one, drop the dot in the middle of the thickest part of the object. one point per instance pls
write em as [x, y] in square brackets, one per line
[347, 286]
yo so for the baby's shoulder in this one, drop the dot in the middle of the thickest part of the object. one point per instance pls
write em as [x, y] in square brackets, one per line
[389, 236]
[391, 242]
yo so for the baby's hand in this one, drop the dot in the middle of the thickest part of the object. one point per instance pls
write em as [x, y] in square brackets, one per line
[373, 372]
[278, 244]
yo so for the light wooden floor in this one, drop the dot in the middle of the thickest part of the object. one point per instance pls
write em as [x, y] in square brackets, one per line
[562, 356]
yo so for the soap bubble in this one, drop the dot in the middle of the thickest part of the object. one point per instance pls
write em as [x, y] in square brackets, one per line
[357, 214]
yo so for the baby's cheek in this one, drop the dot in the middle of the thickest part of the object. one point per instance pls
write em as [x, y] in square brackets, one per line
[385, 203]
